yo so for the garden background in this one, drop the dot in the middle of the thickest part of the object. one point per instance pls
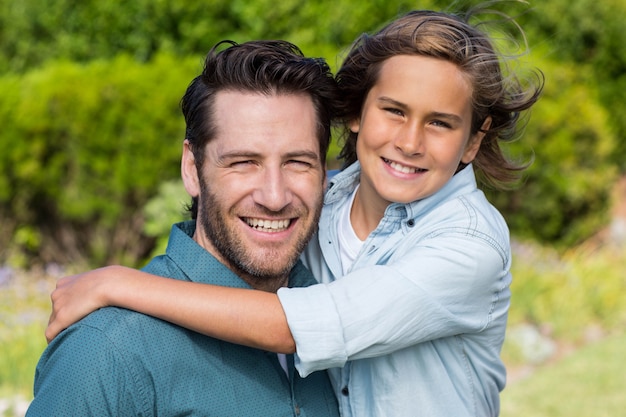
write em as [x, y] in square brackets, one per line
[91, 135]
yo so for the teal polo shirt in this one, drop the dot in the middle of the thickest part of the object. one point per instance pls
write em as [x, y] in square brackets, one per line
[117, 362]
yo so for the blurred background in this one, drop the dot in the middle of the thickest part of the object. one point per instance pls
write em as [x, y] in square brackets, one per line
[91, 135]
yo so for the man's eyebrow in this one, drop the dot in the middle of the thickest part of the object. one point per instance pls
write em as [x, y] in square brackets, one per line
[303, 154]
[252, 154]
[239, 154]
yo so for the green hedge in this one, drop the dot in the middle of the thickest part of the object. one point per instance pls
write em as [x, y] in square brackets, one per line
[84, 148]
[565, 196]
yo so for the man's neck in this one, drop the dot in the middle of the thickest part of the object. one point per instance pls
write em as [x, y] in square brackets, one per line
[262, 283]
[268, 284]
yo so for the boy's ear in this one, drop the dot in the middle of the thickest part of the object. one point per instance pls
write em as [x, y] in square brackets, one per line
[188, 171]
[473, 145]
[355, 125]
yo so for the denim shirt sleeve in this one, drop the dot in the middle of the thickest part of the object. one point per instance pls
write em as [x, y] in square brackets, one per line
[81, 374]
[446, 285]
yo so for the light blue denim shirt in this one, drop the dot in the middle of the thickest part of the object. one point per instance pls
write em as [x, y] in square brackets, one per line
[416, 327]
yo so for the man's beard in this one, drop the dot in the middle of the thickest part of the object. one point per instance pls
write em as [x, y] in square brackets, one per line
[272, 268]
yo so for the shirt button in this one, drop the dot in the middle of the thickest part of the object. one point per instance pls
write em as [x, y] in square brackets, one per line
[297, 410]
[345, 391]
[410, 223]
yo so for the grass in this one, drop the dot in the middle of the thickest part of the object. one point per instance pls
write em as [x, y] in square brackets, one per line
[24, 309]
[573, 300]
[589, 382]
[561, 295]
[567, 294]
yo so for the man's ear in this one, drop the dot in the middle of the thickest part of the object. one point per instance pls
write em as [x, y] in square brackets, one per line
[188, 171]
[473, 145]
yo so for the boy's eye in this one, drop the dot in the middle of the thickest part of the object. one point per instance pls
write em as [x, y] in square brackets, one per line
[440, 123]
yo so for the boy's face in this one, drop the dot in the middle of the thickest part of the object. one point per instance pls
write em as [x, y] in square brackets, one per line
[414, 129]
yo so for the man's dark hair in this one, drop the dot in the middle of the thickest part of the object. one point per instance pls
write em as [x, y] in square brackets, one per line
[264, 67]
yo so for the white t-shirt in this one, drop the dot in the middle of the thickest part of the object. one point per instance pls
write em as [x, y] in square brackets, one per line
[349, 242]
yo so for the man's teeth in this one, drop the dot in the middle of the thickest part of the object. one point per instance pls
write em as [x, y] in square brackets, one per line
[403, 168]
[268, 225]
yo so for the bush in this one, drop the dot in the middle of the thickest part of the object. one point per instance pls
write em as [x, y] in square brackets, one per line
[163, 210]
[565, 196]
[35, 31]
[84, 147]
[594, 45]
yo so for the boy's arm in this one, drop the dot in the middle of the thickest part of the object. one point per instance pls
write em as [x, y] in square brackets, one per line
[247, 317]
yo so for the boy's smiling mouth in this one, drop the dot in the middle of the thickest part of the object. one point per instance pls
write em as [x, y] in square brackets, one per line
[402, 168]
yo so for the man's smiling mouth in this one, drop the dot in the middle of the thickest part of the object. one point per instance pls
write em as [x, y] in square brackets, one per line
[270, 226]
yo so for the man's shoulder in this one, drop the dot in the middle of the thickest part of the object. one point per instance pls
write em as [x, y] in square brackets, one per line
[111, 344]
[88, 367]
[111, 332]
[123, 326]
[164, 265]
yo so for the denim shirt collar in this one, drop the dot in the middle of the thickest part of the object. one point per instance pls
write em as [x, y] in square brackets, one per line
[343, 183]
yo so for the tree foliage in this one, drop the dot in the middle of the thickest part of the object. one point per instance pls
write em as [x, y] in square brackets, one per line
[589, 35]
[33, 32]
[91, 125]
[84, 147]
[565, 193]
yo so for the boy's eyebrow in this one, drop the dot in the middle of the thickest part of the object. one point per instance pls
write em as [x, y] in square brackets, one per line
[449, 116]
[392, 102]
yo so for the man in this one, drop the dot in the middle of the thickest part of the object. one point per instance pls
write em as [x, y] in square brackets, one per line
[258, 127]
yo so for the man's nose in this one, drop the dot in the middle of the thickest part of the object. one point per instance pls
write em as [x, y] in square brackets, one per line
[273, 191]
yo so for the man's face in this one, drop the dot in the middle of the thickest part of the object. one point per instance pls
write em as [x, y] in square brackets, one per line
[260, 188]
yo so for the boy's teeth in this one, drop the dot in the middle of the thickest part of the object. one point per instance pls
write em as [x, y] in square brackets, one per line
[402, 168]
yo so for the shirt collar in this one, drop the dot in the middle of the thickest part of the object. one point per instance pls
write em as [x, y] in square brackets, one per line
[463, 182]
